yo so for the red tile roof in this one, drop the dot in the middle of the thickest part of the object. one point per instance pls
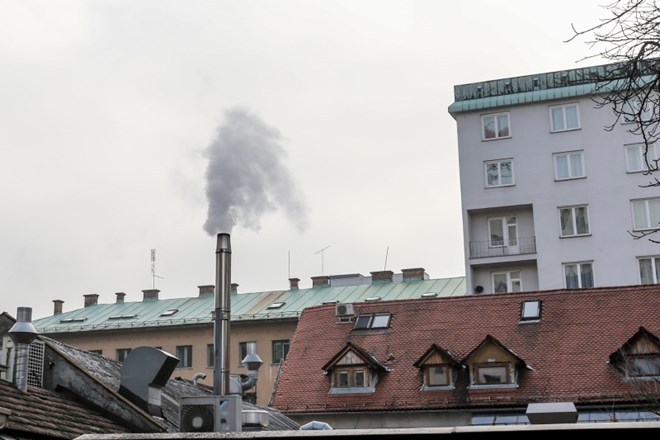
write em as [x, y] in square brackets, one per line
[567, 350]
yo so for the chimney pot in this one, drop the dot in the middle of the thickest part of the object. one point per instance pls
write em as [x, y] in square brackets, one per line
[382, 275]
[120, 297]
[150, 294]
[206, 289]
[321, 281]
[234, 287]
[57, 306]
[417, 273]
[293, 282]
[91, 299]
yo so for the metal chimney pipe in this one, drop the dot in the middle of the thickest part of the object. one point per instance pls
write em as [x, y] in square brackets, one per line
[22, 333]
[222, 315]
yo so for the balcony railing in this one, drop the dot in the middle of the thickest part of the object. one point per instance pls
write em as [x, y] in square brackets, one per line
[519, 246]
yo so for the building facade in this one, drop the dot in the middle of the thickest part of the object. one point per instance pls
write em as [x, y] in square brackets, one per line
[550, 195]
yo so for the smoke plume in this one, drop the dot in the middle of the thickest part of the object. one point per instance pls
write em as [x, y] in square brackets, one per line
[246, 177]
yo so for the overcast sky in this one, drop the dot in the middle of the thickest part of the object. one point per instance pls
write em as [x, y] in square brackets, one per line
[315, 132]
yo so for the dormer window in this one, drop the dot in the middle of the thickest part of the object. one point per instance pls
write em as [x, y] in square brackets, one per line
[493, 365]
[353, 370]
[438, 369]
[639, 357]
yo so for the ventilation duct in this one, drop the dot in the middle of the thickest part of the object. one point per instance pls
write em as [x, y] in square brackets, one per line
[22, 333]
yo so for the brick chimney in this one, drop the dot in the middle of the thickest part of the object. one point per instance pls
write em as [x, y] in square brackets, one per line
[382, 275]
[207, 289]
[417, 273]
[150, 294]
[120, 297]
[321, 281]
[234, 288]
[91, 299]
[57, 306]
[293, 283]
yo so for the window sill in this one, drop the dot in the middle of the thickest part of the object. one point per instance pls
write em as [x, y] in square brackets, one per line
[569, 178]
[438, 388]
[495, 139]
[508, 185]
[565, 130]
[575, 236]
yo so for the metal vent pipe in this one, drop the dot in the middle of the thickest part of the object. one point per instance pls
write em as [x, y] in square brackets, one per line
[222, 315]
[22, 333]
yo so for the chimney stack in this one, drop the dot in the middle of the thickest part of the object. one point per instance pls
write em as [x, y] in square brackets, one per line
[150, 294]
[207, 289]
[293, 283]
[417, 273]
[57, 306]
[91, 299]
[120, 297]
[22, 333]
[234, 287]
[321, 281]
[382, 276]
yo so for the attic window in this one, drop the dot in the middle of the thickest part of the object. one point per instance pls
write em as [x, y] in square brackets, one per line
[169, 312]
[639, 358]
[530, 310]
[115, 317]
[375, 321]
[276, 305]
[67, 320]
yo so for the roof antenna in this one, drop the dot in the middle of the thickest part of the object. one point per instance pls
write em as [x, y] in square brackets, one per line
[322, 251]
[153, 269]
[386, 252]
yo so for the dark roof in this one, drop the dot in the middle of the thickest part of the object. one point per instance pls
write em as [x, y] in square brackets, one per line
[40, 413]
[568, 348]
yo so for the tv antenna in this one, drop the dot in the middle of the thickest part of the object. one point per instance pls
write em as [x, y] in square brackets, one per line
[153, 269]
[322, 251]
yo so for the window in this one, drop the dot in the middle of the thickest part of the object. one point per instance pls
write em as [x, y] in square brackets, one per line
[644, 365]
[121, 354]
[530, 310]
[630, 111]
[649, 270]
[97, 352]
[638, 159]
[491, 373]
[507, 282]
[578, 275]
[210, 355]
[499, 173]
[437, 375]
[495, 126]
[646, 214]
[245, 348]
[352, 377]
[569, 165]
[379, 320]
[503, 231]
[184, 353]
[564, 117]
[280, 349]
[574, 221]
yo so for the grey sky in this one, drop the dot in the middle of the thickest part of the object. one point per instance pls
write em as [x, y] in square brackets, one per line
[111, 110]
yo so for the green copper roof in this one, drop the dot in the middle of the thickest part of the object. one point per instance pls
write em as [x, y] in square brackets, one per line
[277, 304]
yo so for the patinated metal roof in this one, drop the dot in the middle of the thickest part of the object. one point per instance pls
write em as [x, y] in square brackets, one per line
[276, 304]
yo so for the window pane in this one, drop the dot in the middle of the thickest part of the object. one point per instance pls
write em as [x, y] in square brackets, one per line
[586, 275]
[582, 223]
[645, 365]
[381, 321]
[438, 376]
[496, 232]
[359, 379]
[343, 379]
[557, 119]
[571, 116]
[489, 127]
[639, 214]
[492, 174]
[654, 213]
[490, 375]
[646, 271]
[561, 161]
[577, 169]
[210, 355]
[503, 125]
[566, 219]
[634, 158]
[500, 283]
[570, 271]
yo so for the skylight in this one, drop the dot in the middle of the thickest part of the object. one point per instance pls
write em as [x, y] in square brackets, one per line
[373, 298]
[276, 305]
[429, 295]
[530, 310]
[114, 317]
[67, 320]
[169, 312]
[372, 321]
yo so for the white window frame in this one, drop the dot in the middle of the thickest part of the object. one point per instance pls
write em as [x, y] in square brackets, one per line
[572, 168]
[513, 281]
[579, 266]
[496, 121]
[574, 222]
[509, 226]
[630, 107]
[564, 120]
[646, 214]
[498, 163]
[650, 265]
[635, 153]
[184, 353]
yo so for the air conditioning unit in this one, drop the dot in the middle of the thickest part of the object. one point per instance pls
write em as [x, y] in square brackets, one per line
[211, 414]
[343, 309]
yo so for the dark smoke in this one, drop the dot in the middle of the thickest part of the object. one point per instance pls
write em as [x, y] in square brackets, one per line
[246, 177]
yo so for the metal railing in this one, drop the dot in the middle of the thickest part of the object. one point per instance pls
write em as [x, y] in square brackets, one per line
[519, 246]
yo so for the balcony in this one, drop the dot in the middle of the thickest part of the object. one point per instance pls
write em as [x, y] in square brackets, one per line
[486, 249]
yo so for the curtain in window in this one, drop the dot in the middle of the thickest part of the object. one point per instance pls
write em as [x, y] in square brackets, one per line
[576, 165]
[581, 220]
[646, 271]
[503, 125]
[506, 173]
[566, 219]
[492, 174]
[586, 275]
[571, 116]
[570, 271]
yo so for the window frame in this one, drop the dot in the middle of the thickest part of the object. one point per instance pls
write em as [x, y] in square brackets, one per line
[531, 315]
[507, 223]
[510, 280]
[579, 273]
[564, 118]
[347, 378]
[210, 355]
[639, 156]
[185, 355]
[574, 221]
[281, 348]
[648, 214]
[654, 261]
[245, 348]
[446, 375]
[499, 163]
[477, 367]
[496, 120]
[569, 155]
[121, 354]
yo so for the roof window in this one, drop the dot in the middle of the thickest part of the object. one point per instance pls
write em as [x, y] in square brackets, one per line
[169, 312]
[530, 310]
[372, 321]
[276, 305]
[67, 320]
[115, 317]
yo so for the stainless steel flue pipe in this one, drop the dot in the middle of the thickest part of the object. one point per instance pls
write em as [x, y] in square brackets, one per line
[222, 315]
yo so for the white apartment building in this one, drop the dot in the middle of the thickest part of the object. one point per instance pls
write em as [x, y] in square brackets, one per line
[549, 195]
